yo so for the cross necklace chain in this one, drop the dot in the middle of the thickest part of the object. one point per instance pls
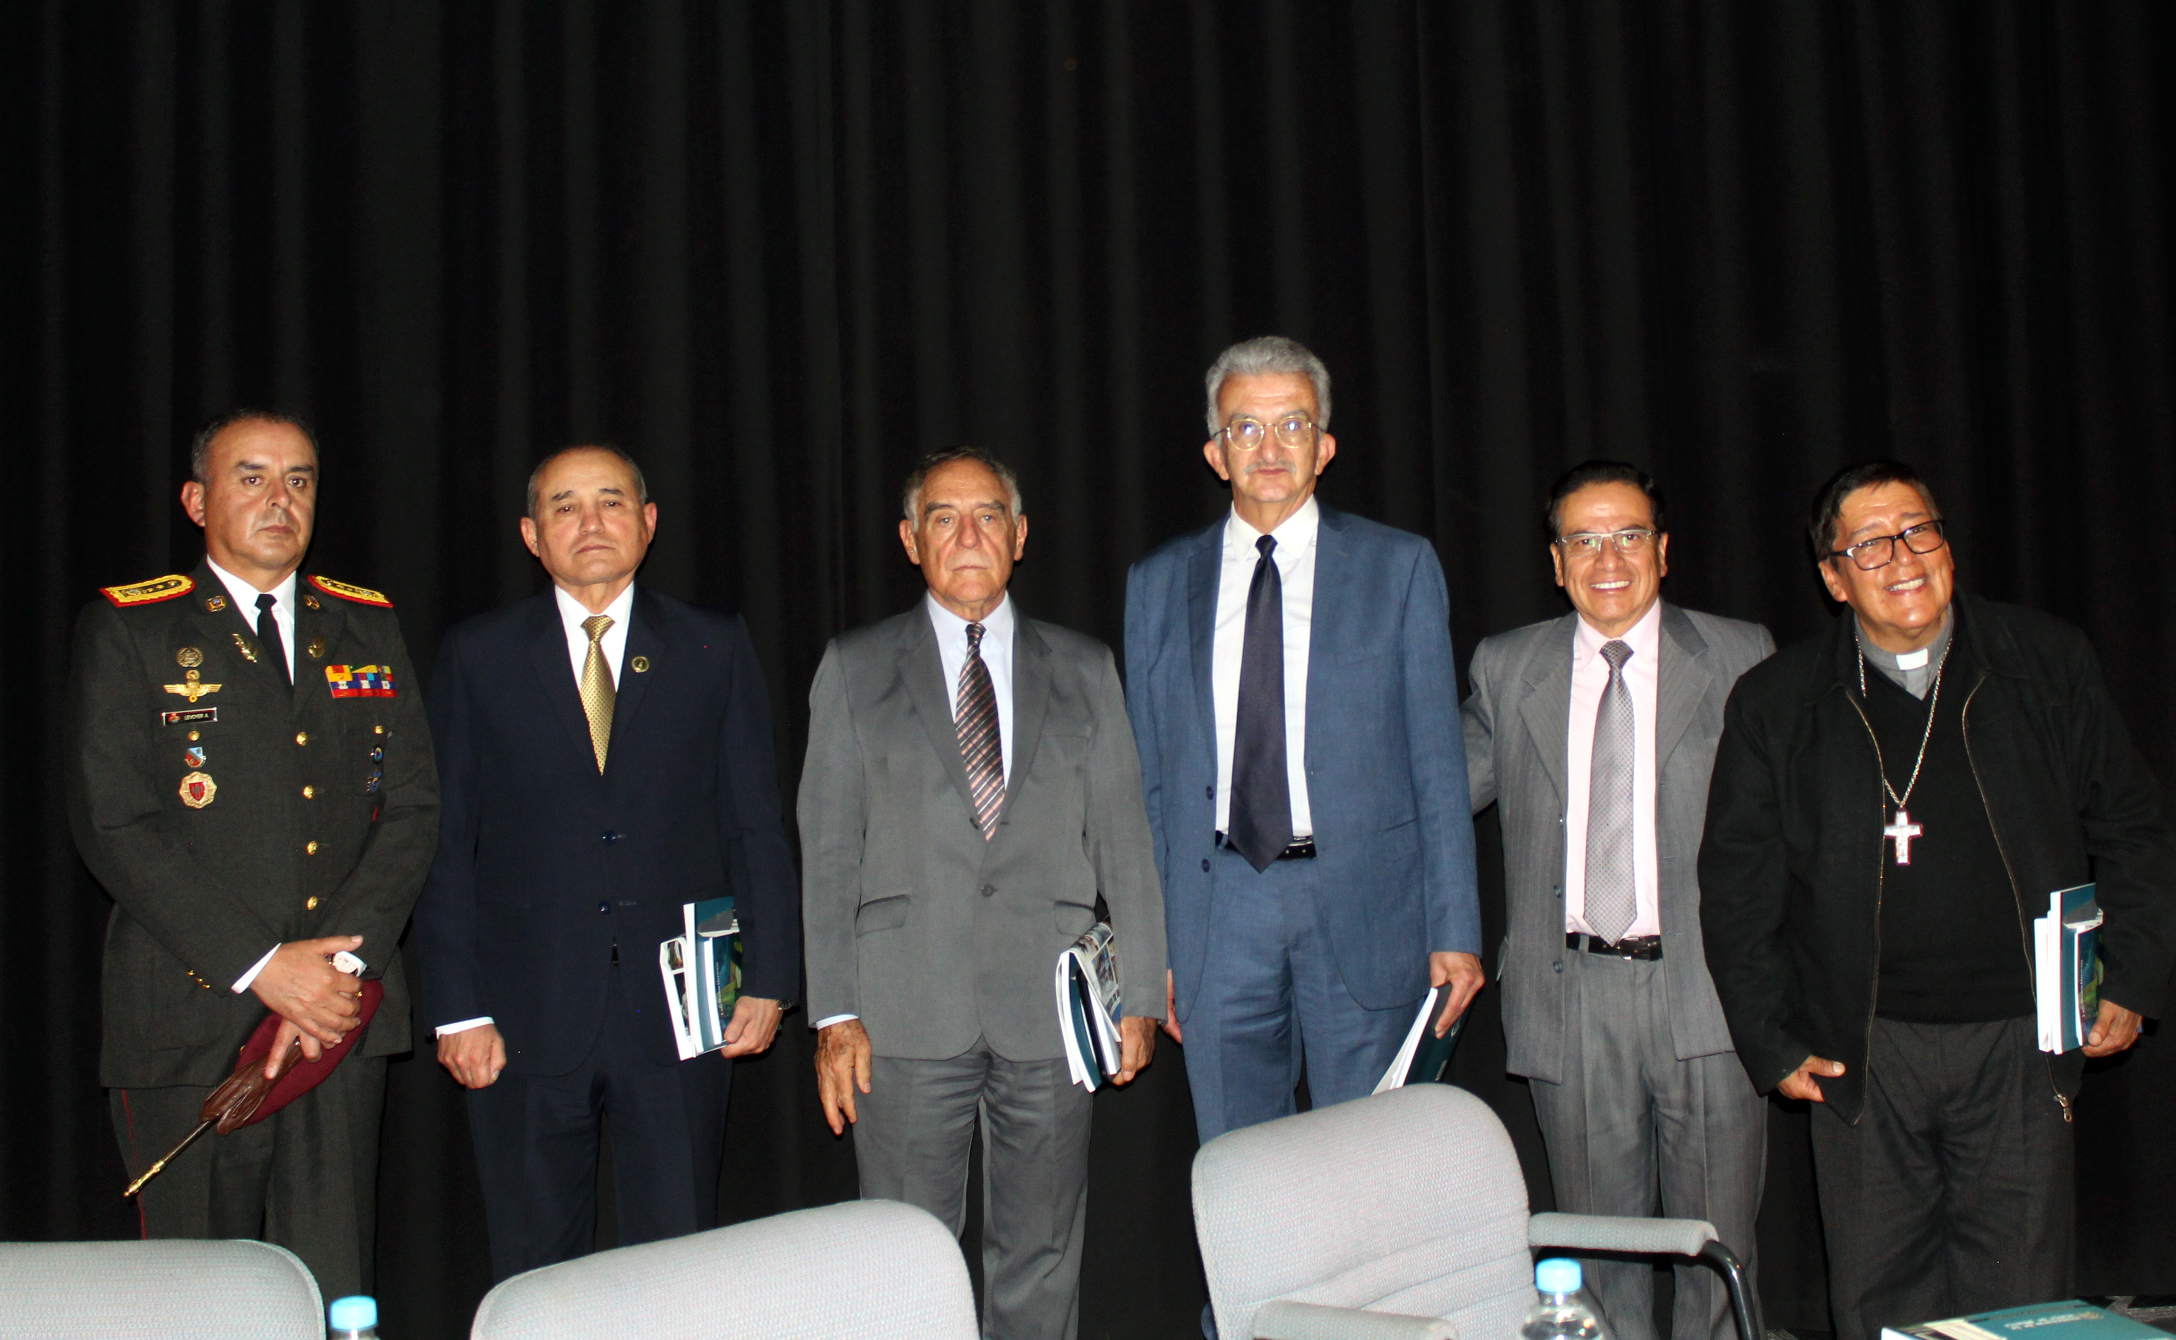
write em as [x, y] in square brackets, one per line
[1901, 829]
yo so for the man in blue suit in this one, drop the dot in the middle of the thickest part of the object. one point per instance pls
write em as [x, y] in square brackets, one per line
[1290, 681]
[608, 757]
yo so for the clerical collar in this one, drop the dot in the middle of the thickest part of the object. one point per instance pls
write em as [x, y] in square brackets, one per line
[1911, 671]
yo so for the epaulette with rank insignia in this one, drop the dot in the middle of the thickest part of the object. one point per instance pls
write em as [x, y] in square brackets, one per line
[361, 595]
[169, 587]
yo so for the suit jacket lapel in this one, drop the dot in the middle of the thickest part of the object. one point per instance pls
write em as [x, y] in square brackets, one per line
[232, 627]
[1545, 701]
[1030, 698]
[645, 638]
[1330, 624]
[555, 674]
[1684, 680]
[1202, 572]
[922, 670]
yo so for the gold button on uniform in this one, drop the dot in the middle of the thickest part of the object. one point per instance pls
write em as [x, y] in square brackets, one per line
[311, 846]
[377, 730]
[309, 793]
[302, 737]
[310, 906]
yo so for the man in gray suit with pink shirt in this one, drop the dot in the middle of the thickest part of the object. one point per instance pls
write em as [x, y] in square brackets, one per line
[1594, 734]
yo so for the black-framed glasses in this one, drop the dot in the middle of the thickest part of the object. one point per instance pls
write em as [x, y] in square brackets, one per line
[1246, 434]
[1588, 543]
[1880, 552]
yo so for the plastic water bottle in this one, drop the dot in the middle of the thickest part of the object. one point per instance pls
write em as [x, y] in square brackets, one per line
[1560, 1312]
[352, 1318]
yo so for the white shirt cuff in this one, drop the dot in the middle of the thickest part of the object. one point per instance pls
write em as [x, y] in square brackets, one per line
[835, 1019]
[241, 983]
[445, 1030]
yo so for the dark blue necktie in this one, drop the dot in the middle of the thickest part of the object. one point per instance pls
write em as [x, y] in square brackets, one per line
[1260, 827]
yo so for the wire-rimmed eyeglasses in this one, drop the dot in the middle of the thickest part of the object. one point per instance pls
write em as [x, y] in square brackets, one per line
[1588, 543]
[1247, 434]
[1880, 552]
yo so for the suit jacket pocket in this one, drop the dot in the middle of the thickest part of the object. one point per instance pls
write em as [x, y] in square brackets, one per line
[882, 914]
[1074, 919]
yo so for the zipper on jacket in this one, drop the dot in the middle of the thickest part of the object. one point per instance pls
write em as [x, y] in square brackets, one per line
[1881, 889]
[2017, 896]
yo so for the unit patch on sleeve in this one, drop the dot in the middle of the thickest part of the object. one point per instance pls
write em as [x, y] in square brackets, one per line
[147, 593]
[361, 681]
[361, 595]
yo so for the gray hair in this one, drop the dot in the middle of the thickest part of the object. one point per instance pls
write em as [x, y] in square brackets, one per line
[910, 497]
[536, 476]
[1262, 356]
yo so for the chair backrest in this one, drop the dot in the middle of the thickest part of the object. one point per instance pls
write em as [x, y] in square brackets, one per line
[168, 1289]
[862, 1270]
[1409, 1201]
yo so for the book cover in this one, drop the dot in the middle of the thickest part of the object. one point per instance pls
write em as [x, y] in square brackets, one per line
[2067, 1320]
[2067, 968]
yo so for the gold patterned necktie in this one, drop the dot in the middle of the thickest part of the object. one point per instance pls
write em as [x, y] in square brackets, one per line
[597, 692]
[981, 749]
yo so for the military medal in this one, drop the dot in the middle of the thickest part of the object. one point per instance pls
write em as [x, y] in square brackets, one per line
[193, 756]
[190, 688]
[198, 790]
[188, 658]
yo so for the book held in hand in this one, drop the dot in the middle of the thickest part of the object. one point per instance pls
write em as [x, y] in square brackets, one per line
[1089, 1000]
[701, 971]
[2071, 1320]
[2066, 968]
[1424, 1058]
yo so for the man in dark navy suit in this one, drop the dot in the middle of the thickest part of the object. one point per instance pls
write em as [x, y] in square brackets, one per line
[608, 758]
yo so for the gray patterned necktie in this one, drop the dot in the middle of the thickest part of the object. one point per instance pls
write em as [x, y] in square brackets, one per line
[1611, 901]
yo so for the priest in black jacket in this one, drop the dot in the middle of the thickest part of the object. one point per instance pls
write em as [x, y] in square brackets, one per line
[1892, 804]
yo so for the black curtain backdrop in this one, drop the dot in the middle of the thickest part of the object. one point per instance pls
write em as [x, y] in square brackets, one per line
[778, 250]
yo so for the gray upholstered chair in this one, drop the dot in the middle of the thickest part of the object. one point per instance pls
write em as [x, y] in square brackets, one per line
[862, 1270]
[1396, 1217]
[167, 1289]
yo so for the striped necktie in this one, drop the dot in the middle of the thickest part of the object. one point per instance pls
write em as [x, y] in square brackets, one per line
[980, 747]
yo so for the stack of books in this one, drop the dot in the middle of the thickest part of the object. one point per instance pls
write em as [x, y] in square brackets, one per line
[701, 968]
[2066, 968]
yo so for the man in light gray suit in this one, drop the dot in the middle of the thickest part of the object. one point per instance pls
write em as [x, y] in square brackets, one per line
[1594, 733]
[971, 790]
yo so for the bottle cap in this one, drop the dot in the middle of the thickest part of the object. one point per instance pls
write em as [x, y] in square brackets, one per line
[356, 1312]
[1558, 1274]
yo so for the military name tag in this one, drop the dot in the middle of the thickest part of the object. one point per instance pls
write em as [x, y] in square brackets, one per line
[189, 716]
[197, 790]
[360, 681]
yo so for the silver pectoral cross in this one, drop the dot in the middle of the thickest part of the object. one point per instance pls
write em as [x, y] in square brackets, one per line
[1903, 830]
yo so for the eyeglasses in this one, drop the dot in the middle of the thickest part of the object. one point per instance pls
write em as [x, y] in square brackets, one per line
[1880, 552]
[1588, 543]
[1245, 434]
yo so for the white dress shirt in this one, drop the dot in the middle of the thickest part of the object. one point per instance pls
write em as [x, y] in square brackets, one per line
[997, 631]
[997, 639]
[244, 597]
[1295, 559]
[571, 614]
[1590, 676]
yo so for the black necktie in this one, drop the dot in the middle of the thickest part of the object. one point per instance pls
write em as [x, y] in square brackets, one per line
[268, 633]
[1260, 827]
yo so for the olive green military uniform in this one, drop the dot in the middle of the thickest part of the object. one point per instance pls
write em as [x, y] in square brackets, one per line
[227, 813]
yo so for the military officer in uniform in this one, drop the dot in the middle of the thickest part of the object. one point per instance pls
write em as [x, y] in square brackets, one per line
[250, 778]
